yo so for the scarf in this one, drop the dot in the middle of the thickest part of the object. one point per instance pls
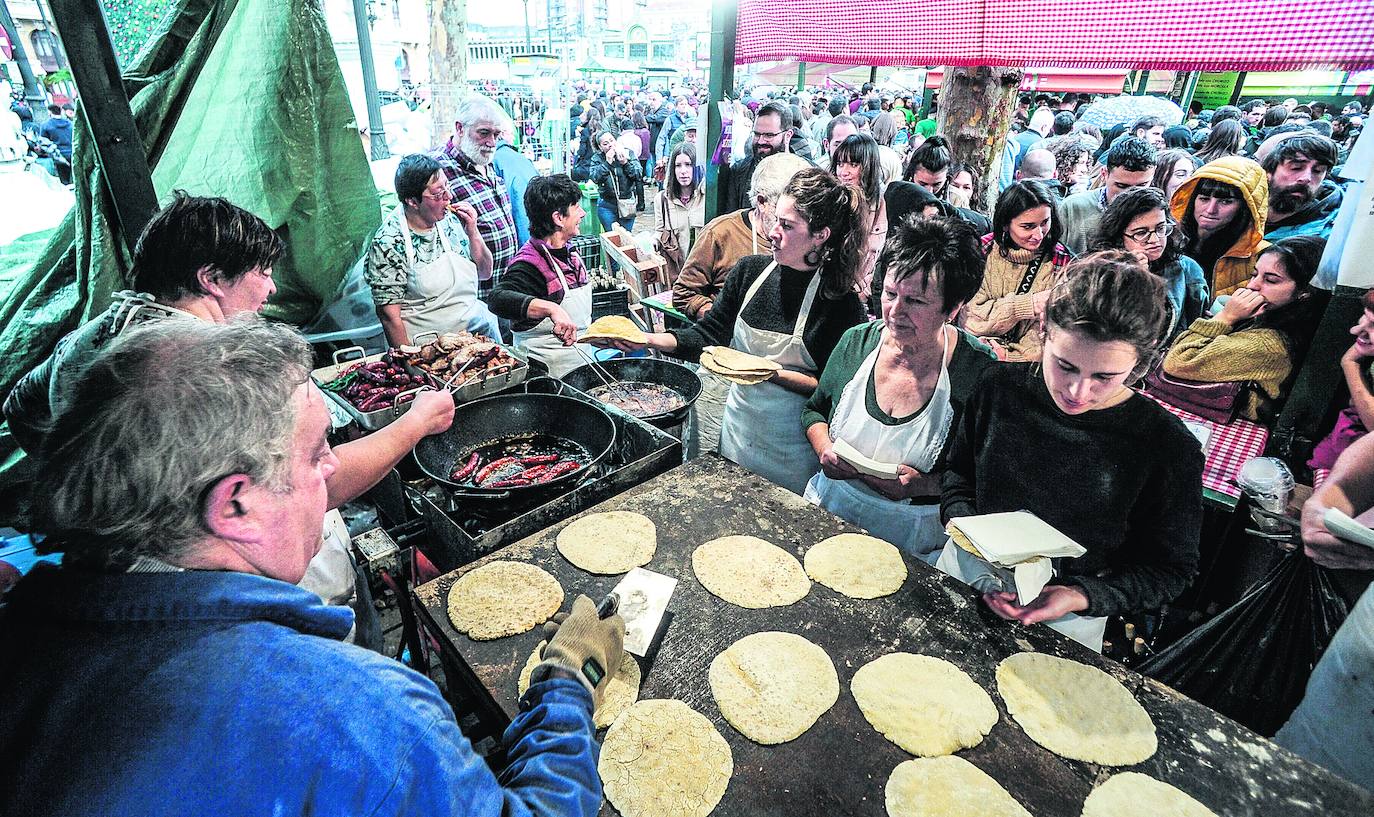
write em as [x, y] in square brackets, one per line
[538, 254]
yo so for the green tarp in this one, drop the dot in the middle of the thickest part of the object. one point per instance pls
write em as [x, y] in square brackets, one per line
[236, 98]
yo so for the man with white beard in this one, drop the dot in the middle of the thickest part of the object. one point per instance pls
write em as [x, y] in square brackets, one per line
[480, 124]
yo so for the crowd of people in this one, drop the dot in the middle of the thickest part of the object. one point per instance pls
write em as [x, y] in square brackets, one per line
[978, 343]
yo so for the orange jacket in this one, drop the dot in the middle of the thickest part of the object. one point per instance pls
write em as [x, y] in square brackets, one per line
[1235, 266]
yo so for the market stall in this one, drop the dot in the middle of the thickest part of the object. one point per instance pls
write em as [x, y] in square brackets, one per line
[841, 764]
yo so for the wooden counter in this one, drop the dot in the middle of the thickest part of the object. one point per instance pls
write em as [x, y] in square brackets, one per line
[841, 764]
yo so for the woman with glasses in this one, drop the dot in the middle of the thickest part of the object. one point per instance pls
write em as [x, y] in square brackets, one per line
[426, 259]
[1138, 221]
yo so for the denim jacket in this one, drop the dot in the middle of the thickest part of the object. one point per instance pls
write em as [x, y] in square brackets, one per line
[224, 693]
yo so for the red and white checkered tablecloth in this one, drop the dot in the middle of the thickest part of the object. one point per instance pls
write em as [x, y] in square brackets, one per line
[1178, 35]
[1230, 447]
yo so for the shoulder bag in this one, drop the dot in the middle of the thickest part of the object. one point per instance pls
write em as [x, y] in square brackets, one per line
[624, 208]
[1218, 402]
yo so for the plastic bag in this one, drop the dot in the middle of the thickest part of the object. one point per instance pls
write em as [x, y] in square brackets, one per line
[1251, 662]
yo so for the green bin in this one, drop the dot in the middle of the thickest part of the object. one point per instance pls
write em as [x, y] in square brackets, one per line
[591, 225]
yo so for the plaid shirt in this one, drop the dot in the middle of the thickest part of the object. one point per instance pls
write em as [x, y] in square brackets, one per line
[487, 194]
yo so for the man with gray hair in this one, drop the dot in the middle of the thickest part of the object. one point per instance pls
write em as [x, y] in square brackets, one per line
[171, 657]
[479, 125]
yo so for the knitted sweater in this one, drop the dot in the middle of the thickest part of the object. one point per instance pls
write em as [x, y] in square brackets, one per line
[998, 312]
[1212, 351]
[719, 246]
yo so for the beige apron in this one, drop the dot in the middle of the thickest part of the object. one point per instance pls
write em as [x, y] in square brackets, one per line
[441, 295]
[761, 429]
[542, 344]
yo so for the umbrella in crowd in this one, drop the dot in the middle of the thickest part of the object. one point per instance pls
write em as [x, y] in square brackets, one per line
[1126, 109]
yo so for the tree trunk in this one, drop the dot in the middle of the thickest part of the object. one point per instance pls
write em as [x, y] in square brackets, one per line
[448, 64]
[976, 107]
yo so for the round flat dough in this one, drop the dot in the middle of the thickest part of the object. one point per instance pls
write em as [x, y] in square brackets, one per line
[502, 598]
[947, 787]
[728, 357]
[608, 543]
[615, 327]
[859, 566]
[925, 705]
[1075, 710]
[773, 686]
[1131, 794]
[621, 691]
[749, 572]
[664, 759]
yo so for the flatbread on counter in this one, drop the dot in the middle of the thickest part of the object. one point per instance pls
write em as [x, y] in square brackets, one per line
[615, 327]
[609, 543]
[749, 572]
[1075, 710]
[947, 787]
[925, 705]
[859, 566]
[773, 686]
[1131, 794]
[620, 692]
[662, 758]
[502, 598]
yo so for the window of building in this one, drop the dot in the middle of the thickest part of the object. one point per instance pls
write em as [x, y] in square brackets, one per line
[614, 50]
[45, 49]
[663, 51]
[639, 51]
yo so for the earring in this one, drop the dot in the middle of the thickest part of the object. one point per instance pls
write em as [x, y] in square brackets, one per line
[813, 257]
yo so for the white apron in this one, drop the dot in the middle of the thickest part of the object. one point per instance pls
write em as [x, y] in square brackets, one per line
[916, 443]
[330, 573]
[442, 294]
[989, 578]
[761, 429]
[542, 344]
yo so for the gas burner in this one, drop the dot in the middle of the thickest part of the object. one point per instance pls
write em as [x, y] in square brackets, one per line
[463, 530]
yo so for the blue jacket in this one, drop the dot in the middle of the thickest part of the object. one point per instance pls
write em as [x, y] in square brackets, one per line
[223, 693]
[1185, 285]
[517, 170]
[1317, 217]
[59, 130]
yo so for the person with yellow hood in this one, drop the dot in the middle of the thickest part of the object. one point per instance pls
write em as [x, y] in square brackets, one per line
[1221, 211]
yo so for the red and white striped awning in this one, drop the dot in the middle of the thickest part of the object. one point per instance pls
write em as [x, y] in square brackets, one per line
[1058, 80]
[1177, 35]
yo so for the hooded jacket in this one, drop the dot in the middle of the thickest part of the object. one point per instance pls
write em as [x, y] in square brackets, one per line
[1237, 264]
[1313, 218]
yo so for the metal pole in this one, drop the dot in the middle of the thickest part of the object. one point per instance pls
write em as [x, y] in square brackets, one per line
[33, 91]
[119, 149]
[1189, 87]
[529, 44]
[376, 131]
[1239, 87]
[1142, 83]
[801, 75]
[724, 22]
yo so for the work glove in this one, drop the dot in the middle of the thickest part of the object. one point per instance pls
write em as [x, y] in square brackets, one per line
[581, 643]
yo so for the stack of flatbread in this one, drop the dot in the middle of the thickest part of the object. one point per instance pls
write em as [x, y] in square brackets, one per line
[737, 366]
[615, 327]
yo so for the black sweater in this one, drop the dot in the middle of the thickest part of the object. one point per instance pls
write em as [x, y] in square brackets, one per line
[1124, 482]
[520, 284]
[775, 309]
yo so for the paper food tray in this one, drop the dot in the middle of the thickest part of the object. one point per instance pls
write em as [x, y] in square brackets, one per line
[1013, 537]
[862, 464]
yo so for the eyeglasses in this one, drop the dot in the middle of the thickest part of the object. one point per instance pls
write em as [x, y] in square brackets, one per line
[763, 135]
[445, 195]
[1143, 235]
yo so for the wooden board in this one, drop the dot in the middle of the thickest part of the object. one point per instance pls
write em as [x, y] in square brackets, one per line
[841, 764]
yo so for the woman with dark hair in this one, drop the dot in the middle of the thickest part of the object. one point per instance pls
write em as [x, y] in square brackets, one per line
[681, 204]
[1221, 211]
[1177, 136]
[1226, 139]
[893, 388]
[1355, 420]
[1066, 438]
[617, 176]
[546, 292]
[586, 144]
[1024, 259]
[790, 308]
[856, 164]
[425, 261]
[962, 189]
[1261, 334]
[1073, 159]
[928, 165]
[1172, 170]
[1138, 221]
